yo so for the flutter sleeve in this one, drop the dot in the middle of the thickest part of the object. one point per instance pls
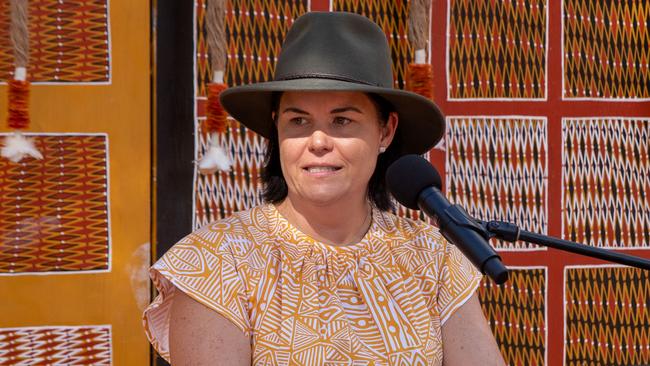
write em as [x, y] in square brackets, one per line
[458, 282]
[202, 266]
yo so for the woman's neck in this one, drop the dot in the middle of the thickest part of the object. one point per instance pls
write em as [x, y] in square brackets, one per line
[342, 224]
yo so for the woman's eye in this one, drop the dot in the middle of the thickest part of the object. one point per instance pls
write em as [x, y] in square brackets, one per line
[341, 121]
[298, 121]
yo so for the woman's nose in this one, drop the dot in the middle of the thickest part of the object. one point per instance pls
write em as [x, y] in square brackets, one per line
[320, 142]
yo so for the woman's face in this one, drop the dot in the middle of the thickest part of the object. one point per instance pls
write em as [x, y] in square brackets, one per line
[329, 143]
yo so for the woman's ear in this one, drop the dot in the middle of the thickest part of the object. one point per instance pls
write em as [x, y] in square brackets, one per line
[388, 130]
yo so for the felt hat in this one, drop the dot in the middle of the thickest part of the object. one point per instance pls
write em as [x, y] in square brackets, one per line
[337, 51]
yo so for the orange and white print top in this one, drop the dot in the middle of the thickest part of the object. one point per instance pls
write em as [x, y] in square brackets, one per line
[381, 301]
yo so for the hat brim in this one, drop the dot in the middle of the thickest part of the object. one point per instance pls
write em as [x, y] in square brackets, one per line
[421, 124]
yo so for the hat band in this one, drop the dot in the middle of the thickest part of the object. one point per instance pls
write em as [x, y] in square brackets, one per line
[325, 76]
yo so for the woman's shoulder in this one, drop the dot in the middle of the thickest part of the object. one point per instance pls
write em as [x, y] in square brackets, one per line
[419, 247]
[415, 246]
[225, 242]
[416, 233]
[238, 222]
[243, 226]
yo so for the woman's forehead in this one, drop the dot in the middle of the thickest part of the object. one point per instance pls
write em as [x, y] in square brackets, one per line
[325, 98]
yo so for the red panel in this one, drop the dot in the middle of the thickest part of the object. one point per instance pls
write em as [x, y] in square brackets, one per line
[554, 109]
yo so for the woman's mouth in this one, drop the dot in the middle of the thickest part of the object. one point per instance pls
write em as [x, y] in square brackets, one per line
[321, 169]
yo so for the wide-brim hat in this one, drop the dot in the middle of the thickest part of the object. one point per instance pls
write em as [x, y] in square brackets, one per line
[337, 51]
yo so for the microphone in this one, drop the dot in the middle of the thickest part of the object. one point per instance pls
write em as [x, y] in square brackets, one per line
[415, 183]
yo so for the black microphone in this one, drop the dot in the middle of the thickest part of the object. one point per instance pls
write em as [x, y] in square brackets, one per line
[415, 183]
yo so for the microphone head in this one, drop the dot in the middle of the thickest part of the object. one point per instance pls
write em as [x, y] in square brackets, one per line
[408, 176]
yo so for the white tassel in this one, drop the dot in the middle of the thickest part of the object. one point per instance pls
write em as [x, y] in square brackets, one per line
[420, 56]
[17, 146]
[215, 158]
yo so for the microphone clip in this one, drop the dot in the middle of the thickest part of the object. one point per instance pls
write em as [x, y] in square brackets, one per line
[505, 231]
[460, 217]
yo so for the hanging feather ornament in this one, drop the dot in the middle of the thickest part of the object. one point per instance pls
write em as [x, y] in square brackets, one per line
[216, 157]
[419, 77]
[16, 146]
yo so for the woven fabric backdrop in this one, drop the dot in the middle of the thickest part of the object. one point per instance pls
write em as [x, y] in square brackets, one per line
[547, 106]
[90, 345]
[75, 225]
[68, 41]
[54, 211]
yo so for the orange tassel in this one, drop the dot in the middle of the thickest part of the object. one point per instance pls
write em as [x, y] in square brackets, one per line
[18, 116]
[216, 115]
[419, 79]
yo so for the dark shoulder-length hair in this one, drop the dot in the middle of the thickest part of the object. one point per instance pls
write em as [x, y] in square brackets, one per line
[275, 187]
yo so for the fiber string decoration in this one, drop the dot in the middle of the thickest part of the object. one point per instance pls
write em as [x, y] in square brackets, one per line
[216, 157]
[16, 146]
[419, 77]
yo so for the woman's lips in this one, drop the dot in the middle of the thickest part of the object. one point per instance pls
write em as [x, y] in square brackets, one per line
[321, 169]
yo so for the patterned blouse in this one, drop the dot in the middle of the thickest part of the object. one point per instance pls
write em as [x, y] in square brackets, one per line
[381, 301]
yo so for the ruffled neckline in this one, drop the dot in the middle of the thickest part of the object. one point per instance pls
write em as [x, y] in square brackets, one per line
[374, 231]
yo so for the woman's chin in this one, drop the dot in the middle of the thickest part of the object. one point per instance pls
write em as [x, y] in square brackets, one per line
[324, 197]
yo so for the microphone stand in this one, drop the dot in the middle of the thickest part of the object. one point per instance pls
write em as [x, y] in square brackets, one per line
[510, 232]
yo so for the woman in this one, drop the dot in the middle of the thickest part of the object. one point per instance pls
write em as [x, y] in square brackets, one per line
[322, 273]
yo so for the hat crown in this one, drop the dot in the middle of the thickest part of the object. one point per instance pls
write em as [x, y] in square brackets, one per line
[336, 45]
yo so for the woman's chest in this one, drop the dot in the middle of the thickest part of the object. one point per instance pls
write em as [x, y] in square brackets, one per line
[318, 314]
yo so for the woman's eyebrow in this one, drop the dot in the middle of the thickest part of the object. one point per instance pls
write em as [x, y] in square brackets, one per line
[346, 109]
[295, 110]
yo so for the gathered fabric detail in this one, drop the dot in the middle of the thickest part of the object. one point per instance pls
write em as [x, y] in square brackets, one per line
[381, 301]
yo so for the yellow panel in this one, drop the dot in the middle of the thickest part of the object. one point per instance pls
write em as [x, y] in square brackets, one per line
[120, 109]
